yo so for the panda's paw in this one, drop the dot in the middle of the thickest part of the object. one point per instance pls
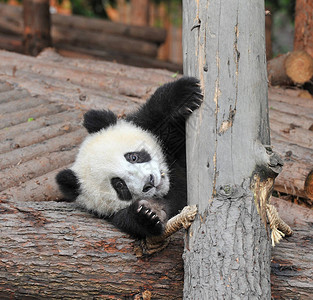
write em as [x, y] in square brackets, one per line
[193, 101]
[151, 216]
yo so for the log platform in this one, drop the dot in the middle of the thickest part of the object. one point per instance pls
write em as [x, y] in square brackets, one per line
[48, 245]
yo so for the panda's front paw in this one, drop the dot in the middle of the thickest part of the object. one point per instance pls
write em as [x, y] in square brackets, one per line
[193, 96]
[151, 216]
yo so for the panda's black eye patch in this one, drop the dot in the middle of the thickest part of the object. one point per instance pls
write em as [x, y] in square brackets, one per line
[138, 157]
[121, 188]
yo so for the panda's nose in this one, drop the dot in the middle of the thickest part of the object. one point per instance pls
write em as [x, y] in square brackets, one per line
[149, 184]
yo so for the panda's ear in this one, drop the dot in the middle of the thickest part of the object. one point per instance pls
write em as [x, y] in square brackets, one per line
[95, 120]
[68, 184]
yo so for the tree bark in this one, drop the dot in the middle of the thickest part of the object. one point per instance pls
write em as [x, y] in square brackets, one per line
[303, 37]
[227, 252]
[36, 26]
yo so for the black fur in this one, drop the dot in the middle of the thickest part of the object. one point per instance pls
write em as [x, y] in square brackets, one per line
[164, 115]
[121, 189]
[68, 184]
[95, 120]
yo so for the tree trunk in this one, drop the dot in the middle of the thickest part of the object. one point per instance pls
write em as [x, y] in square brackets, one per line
[227, 251]
[36, 26]
[303, 37]
[140, 12]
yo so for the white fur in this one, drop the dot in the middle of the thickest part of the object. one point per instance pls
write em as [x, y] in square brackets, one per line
[101, 157]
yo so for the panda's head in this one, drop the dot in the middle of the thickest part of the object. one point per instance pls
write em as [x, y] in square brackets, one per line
[118, 164]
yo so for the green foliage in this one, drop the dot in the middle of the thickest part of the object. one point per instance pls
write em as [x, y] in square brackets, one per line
[91, 8]
[284, 6]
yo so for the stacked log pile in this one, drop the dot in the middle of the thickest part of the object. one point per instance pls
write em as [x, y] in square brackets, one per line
[290, 68]
[81, 36]
[41, 105]
[296, 68]
[291, 121]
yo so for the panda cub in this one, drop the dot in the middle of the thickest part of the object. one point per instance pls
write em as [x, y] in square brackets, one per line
[132, 171]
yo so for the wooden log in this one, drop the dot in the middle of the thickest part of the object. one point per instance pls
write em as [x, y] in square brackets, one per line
[291, 268]
[91, 40]
[291, 118]
[276, 71]
[20, 104]
[36, 16]
[303, 36]
[291, 133]
[308, 185]
[66, 253]
[36, 167]
[54, 250]
[289, 96]
[109, 68]
[11, 43]
[291, 108]
[41, 188]
[295, 67]
[11, 21]
[131, 60]
[290, 150]
[295, 178]
[299, 67]
[27, 127]
[57, 143]
[22, 116]
[5, 87]
[11, 95]
[39, 135]
[122, 85]
[151, 34]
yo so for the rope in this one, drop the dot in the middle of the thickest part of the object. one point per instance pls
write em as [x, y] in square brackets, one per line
[278, 227]
[184, 219]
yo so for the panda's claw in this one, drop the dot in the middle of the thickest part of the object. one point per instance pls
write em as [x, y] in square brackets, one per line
[148, 217]
[189, 110]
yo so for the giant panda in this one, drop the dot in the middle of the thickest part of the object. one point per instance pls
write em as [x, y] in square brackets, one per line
[132, 171]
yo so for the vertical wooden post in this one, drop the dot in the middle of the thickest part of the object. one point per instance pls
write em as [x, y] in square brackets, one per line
[303, 38]
[36, 26]
[140, 12]
[227, 253]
